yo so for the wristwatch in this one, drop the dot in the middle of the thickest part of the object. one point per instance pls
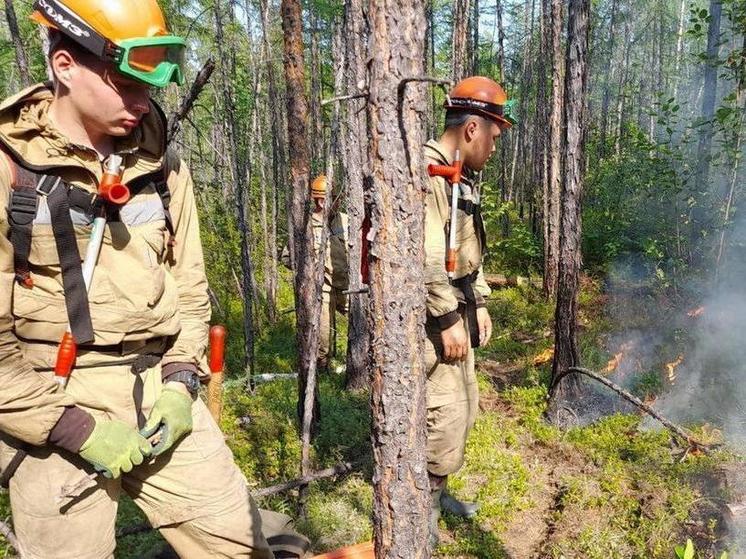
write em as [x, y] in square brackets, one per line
[190, 379]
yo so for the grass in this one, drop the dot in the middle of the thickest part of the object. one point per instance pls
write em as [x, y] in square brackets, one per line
[608, 490]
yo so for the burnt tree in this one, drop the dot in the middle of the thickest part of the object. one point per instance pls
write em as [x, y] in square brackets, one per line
[395, 195]
[460, 61]
[566, 315]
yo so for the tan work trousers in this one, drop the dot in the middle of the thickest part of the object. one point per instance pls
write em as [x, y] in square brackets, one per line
[332, 300]
[194, 494]
[452, 404]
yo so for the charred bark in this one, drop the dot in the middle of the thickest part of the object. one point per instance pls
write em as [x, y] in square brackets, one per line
[20, 52]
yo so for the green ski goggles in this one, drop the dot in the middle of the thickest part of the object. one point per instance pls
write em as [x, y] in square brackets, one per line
[156, 61]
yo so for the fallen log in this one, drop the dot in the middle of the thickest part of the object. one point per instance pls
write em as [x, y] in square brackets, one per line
[675, 429]
[500, 281]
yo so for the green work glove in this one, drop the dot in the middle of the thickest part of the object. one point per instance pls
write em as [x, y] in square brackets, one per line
[171, 418]
[114, 448]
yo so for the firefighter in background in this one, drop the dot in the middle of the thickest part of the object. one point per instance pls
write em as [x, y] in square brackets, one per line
[141, 327]
[477, 112]
[336, 276]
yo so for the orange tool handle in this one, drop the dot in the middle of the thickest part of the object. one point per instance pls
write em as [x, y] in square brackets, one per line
[451, 260]
[217, 348]
[66, 354]
[112, 190]
[452, 173]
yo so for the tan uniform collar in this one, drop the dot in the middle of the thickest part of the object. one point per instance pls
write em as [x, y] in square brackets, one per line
[26, 130]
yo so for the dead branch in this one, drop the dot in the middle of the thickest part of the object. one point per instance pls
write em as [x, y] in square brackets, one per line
[174, 123]
[339, 469]
[344, 98]
[675, 429]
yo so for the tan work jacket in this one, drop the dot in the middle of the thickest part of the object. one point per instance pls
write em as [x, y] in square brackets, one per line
[442, 298]
[335, 265]
[142, 288]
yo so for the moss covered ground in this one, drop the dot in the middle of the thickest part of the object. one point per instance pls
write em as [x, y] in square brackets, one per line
[610, 489]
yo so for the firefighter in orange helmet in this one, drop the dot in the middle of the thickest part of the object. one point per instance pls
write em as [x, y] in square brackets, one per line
[141, 325]
[477, 113]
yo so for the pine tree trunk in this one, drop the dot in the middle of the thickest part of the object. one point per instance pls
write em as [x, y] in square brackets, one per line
[554, 159]
[608, 76]
[354, 163]
[706, 132]
[306, 285]
[20, 52]
[395, 195]
[566, 315]
[460, 55]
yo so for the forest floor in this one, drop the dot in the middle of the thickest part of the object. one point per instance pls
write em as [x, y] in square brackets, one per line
[609, 487]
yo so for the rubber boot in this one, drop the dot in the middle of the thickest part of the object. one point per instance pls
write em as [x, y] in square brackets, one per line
[452, 505]
[437, 483]
[434, 517]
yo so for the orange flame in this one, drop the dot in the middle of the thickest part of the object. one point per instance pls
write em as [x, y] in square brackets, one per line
[671, 368]
[544, 357]
[614, 362]
[694, 313]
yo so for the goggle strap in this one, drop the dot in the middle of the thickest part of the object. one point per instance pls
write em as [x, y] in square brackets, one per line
[71, 25]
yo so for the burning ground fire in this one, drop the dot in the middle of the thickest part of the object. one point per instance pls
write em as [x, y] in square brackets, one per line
[694, 313]
[671, 368]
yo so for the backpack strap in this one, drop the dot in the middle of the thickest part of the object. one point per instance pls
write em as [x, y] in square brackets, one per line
[26, 188]
[76, 294]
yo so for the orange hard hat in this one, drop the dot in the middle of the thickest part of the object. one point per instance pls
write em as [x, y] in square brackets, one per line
[115, 20]
[483, 96]
[318, 187]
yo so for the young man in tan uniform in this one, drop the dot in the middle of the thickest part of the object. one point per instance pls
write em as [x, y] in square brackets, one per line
[336, 276]
[457, 318]
[141, 328]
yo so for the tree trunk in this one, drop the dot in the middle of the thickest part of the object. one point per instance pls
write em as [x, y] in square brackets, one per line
[239, 168]
[316, 138]
[474, 43]
[15, 35]
[706, 131]
[566, 345]
[679, 49]
[354, 163]
[554, 159]
[278, 156]
[306, 284]
[460, 54]
[608, 76]
[395, 194]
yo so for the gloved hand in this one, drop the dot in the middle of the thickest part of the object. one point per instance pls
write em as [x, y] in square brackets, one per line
[114, 447]
[172, 415]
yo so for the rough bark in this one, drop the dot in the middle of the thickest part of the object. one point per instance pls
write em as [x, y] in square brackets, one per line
[15, 36]
[354, 163]
[395, 195]
[576, 79]
[307, 288]
[459, 40]
[554, 158]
